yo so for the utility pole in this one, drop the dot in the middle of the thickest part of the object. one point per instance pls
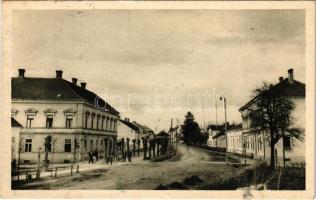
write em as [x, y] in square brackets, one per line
[224, 100]
[38, 173]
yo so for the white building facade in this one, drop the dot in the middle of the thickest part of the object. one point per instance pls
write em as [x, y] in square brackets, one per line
[258, 146]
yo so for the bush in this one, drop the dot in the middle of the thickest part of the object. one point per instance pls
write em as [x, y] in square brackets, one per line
[193, 180]
[177, 186]
[292, 178]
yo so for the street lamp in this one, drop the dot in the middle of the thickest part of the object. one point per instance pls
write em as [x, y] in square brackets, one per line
[222, 98]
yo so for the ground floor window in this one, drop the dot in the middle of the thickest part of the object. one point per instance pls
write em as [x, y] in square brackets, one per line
[287, 143]
[67, 145]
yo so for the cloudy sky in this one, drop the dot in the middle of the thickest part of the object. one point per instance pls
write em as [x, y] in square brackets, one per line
[154, 65]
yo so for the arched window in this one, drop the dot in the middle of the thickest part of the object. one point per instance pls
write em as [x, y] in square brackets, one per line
[98, 121]
[87, 113]
[102, 122]
[92, 119]
[111, 124]
[107, 123]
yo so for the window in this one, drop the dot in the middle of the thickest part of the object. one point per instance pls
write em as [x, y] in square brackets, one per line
[29, 119]
[96, 143]
[91, 144]
[28, 145]
[107, 123]
[111, 121]
[85, 143]
[102, 123]
[98, 119]
[92, 119]
[115, 125]
[49, 121]
[67, 145]
[69, 119]
[287, 143]
[86, 122]
[101, 142]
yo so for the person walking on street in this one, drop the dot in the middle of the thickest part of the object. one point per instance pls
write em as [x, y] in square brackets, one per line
[111, 159]
[90, 157]
[129, 156]
[96, 154]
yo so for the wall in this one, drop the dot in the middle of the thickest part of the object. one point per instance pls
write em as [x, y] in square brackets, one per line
[262, 152]
[124, 131]
[234, 141]
[38, 132]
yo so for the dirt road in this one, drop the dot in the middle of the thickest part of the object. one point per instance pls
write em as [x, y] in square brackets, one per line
[145, 174]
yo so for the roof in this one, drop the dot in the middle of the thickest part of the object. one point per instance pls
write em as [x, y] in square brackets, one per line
[232, 127]
[55, 89]
[162, 133]
[216, 127]
[15, 123]
[296, 89]
[130, 125]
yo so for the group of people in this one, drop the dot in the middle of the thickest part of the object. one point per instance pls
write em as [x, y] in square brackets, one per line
[127, 155]
[93, 155]
[121, 154]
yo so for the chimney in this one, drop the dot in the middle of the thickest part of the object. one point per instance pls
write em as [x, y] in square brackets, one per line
[21, 73]
[281, 79]
[83, 85]
[59, 74]
[74, 81]
[291, 76]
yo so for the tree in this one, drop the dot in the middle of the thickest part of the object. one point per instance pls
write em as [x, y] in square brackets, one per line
[47, 145]
[271, 112]
[20, 149]
[190, 130]
[76, 147]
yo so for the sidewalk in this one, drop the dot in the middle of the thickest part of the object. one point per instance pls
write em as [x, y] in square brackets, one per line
[83, 166]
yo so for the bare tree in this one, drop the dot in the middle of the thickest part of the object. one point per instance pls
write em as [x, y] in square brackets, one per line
[48, 146]
[271, 111]
[20, 148]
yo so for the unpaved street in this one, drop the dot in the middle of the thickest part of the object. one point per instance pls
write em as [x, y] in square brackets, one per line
[145, 174]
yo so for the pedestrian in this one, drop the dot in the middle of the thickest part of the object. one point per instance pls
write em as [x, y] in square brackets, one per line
[124, 156]
[111, 159]
[96, 154]
[90, 157]
[129, 156]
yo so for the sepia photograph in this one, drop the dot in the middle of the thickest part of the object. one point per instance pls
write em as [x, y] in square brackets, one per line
[158, 99]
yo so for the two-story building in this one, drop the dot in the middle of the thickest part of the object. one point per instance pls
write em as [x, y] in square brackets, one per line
[76, 118]
[257, 145]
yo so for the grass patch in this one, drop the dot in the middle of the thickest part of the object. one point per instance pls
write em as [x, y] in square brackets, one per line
[260, 175]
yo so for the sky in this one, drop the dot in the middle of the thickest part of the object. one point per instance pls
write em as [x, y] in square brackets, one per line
[154, 65]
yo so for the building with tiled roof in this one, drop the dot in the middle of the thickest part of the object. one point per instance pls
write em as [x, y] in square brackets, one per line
[77, 119]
